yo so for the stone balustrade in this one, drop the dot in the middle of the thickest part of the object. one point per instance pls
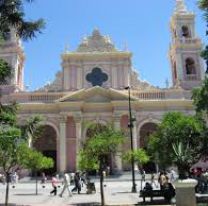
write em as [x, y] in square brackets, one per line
[162, 94]
[33, 97]
[46, 97]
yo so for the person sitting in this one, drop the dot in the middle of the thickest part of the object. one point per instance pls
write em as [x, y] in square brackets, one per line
[147, 187]
[169, 190]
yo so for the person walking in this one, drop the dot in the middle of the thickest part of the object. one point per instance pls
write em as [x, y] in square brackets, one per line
[77, 183]
[66, 183]
[43, 178]
[54, 182]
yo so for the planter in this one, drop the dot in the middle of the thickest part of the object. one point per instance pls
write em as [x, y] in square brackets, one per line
[185, 192]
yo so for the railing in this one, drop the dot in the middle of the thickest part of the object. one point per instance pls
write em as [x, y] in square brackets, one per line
[165, 94]
[150, 95]
[32, 97]
[44, 97]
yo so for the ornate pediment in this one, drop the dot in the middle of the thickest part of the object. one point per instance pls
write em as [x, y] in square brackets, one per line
[98, 99]
[96, 43]
[95, 94]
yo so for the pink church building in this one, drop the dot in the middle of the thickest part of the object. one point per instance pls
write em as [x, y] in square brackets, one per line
[91, 87]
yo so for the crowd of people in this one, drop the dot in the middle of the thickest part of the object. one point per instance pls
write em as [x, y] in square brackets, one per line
[13, 178]
[163, 183]
[79, 180]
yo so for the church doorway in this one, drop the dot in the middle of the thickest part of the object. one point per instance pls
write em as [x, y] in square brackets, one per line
[107, 159]
[146, 130]
[46, 144]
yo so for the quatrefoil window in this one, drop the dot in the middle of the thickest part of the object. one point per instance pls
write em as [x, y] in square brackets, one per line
[97, 77]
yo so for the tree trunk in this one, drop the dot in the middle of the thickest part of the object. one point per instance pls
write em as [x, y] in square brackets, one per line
[36, 182]
[183, 172]
[7, 189]
[101, 185]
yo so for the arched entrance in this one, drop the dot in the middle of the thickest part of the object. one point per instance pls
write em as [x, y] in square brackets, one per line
[145, 131]
[108, 159]
[46, 144]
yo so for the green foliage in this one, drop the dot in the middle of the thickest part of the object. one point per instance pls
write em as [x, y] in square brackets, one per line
[32, 129]
[203, 4]
[9, 138]
[178, 139]
[140, 156]
[32, 159]
[14, 149]
[5, 71]
[200, 97]
[8, 114]
[86, 162]
[13, 16]
[104, 141]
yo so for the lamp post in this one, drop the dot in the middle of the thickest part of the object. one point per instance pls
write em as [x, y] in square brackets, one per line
[130, 125]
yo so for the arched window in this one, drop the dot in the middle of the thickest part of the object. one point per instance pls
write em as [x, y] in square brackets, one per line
[185, 31]
[190, 66]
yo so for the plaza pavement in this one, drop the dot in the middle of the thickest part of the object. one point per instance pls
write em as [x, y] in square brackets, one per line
[117, 192]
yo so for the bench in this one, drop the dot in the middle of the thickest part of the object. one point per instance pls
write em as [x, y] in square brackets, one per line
[151, 194]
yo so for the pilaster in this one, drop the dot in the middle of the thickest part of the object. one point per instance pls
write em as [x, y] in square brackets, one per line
[62, 143]
[78, 122]
[118, 159]
[135, 136]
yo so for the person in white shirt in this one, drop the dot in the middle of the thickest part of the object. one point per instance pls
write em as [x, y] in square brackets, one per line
[66, 183]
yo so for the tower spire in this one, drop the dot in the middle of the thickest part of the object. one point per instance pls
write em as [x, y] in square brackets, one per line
[180, 6]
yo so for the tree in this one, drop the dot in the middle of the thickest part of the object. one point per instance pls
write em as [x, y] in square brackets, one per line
[178, 140]
[103, 142]
[13, 16]
[5, 71]
[140, 157]
[203, 5]
[13, 144]
[34, 160]
[200, 98]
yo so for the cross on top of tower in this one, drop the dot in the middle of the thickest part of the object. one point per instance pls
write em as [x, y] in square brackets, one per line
[180, 7]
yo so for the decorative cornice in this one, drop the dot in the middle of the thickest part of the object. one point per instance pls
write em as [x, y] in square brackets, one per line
[74, 56]
[180, 7]
[96, 43]
[63, 118]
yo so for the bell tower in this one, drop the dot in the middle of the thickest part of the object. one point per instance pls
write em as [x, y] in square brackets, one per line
[12, 52]
[186, 63]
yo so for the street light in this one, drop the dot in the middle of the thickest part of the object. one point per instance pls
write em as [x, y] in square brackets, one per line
[130, 125]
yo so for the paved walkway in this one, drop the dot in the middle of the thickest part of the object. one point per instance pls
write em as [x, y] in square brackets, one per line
[116, 193]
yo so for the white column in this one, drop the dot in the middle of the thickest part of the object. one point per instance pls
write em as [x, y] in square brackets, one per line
[78, 137]
[62, 144]
[118, 159]
[135, 136]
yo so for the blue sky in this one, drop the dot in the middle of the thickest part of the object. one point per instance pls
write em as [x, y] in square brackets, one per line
[143, 25]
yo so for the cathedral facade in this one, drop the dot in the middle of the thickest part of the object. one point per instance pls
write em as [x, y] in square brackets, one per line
[91, 88]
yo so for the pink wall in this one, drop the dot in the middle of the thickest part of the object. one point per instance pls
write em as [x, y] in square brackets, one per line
[73, 78]
[71, 145]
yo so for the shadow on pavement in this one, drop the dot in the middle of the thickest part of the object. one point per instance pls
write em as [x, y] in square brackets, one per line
[13, 204]
[28, 194]
[86, 204]
[154, 202]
